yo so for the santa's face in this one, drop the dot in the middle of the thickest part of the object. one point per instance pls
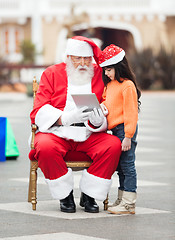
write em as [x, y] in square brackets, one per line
[81, 61]
[80, 69]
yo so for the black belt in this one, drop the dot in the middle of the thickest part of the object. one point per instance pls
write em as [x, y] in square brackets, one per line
[78, 125]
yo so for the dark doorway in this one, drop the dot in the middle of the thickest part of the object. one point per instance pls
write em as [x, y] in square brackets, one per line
[121, 38]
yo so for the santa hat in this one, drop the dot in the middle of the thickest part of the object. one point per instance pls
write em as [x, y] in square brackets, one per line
[112, 54]
[82, 47]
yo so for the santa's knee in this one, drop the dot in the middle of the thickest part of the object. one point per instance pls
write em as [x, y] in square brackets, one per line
[45, 148]
[114, 145]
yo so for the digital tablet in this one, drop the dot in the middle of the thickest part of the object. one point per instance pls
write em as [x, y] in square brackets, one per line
[90, 100]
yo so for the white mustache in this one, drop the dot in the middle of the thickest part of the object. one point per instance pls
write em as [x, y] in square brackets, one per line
[82, 67]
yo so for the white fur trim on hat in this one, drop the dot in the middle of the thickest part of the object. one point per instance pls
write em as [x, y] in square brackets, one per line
[114, 60]
[79, 48]
[94, 186]
[61, 187]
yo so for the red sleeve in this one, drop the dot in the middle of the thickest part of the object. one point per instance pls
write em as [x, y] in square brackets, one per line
[43, 95]
[52, 89]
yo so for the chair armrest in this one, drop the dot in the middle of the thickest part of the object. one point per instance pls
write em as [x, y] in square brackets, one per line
[34, 128]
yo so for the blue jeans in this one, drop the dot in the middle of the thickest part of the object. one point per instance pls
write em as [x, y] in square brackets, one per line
[126, 167]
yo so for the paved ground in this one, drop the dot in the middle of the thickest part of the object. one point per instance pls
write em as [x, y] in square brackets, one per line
[155, 210]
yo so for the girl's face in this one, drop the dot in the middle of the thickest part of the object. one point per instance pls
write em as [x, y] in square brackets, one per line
[110, 73]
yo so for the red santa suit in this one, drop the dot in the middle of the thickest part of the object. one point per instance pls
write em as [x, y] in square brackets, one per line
[53, 142]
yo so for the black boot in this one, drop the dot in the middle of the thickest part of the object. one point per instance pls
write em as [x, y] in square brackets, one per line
[67, 204]
[88, 203]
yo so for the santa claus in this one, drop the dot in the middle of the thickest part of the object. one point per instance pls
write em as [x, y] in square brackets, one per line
[62, 127]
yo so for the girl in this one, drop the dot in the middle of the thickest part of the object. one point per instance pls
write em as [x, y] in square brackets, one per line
[121, 98]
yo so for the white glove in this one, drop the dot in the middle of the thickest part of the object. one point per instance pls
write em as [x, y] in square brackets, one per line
[75, 116]
[104, 109]
[96, 117]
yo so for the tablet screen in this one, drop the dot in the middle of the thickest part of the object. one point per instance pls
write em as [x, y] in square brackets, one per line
[90, 100]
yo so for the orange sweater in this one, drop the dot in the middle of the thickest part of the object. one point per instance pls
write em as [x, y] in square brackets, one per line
[121, 102]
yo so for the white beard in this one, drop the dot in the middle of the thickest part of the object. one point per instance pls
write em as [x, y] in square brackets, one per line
[78, 77]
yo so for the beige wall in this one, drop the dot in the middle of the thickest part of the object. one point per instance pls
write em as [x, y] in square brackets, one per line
[153, 33]
[170, 27]
[50, 35]
[27, 29]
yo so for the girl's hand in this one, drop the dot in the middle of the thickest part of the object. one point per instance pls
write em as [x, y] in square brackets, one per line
[126, 144]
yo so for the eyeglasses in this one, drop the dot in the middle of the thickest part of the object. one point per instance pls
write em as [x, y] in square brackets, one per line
[79, 59]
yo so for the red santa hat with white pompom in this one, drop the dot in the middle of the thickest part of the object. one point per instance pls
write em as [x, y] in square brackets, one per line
[112, 54]
[82, 47]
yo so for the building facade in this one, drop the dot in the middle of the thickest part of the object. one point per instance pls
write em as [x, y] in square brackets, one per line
[131, 24]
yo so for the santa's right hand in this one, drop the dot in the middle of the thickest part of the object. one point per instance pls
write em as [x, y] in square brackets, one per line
[79, 115]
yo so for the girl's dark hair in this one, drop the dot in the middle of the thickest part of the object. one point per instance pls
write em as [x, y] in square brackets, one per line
[122, 70]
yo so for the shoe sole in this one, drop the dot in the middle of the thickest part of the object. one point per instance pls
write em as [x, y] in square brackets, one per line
[68, 211]
[91, 211]
[120, 213]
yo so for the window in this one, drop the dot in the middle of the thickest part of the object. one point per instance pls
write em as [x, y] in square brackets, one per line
[10, 41]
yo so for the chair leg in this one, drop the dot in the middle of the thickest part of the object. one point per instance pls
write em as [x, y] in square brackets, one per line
[33, 184]
[105, 202]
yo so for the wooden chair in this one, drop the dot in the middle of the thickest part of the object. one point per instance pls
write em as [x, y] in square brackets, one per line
[74, 165]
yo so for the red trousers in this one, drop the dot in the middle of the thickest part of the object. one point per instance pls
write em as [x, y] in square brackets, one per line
[104, 150]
